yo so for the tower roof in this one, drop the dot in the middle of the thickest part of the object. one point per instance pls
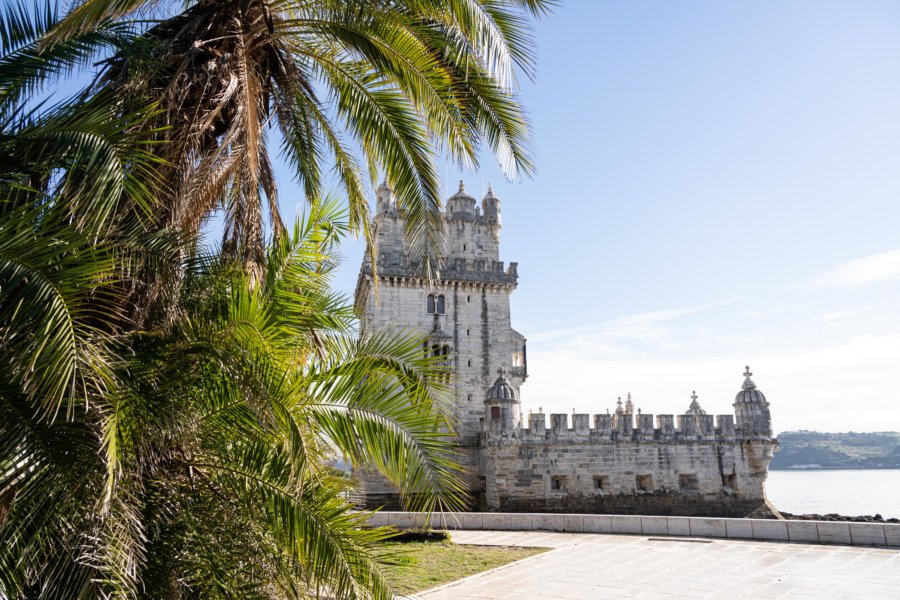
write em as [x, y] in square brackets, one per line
[694, 408]
[462, 194]
[502, 388]
[748, 392]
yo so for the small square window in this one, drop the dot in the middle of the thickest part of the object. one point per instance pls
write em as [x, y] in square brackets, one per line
[601, 484]
[688, 482]
[643, 483]
[558, 483]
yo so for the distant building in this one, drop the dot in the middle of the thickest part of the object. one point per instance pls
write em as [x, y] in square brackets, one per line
[692, 464]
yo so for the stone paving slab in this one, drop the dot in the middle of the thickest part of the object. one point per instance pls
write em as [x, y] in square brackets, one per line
[592, 566]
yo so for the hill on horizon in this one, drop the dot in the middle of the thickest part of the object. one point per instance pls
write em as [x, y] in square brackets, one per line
[851, 450]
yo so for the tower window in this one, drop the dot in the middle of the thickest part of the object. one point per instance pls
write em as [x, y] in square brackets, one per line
[689, 482]
[429, 304]
[495, 412]
[464, 247]
[643, 483]
[469, 363]
[440, 304]
[468, 298]
[467, 331]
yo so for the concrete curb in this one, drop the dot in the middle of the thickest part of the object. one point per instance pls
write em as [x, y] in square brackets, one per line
[883, 535]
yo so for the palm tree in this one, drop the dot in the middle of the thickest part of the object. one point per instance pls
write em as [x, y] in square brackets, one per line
[188, 453]
[360, 87]
[199, 462]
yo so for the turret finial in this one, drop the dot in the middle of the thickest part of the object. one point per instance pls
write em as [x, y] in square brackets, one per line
[462, 186]
[695, 406]
[501, 371]
[540, 409]
[490, 190]
[748, 383]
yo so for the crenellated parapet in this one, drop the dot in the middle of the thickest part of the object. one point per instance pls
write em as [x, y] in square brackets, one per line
[609, 429]
[450, 270]
[752, 423]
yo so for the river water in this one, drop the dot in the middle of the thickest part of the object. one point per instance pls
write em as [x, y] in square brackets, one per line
[846, 492]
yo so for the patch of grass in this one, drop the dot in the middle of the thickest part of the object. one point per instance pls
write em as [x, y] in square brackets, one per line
[420, 565]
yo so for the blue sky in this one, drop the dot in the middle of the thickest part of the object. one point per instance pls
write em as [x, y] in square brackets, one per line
[718, 185]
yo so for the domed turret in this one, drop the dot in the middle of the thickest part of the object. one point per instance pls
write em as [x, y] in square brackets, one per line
[502, 404]
[694, 408]
[385, 199]
[461, 206]
[751, 410]
[502, 388]
[490, 206]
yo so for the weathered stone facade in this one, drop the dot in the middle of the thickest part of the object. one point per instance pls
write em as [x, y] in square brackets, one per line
[621, 463]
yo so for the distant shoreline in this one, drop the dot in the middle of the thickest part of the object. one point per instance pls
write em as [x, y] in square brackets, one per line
[796, 469]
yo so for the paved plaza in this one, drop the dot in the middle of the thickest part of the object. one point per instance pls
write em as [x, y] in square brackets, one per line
[595, 566]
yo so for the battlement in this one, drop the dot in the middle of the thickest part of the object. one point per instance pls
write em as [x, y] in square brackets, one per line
[396, 264]
[619, 428]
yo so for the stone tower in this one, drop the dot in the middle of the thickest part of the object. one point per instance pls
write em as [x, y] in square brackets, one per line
[464, 312]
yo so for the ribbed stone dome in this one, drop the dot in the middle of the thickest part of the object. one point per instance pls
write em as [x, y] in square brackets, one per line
[462, 194]
[748, 392]
[502, 389]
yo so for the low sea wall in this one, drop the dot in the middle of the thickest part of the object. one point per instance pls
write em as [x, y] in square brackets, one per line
[807, 532]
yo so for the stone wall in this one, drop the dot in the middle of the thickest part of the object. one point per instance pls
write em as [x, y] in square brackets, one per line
[621, 469]
[806, 532]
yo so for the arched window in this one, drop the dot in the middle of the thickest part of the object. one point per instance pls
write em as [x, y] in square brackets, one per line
[445, 351]
[435, 350]
[429, 304]
[440, 304]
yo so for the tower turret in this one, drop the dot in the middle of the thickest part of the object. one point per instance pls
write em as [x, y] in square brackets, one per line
[751, 411]
[490, 206]
[461, 206]
[384, 198]
[502, 405]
